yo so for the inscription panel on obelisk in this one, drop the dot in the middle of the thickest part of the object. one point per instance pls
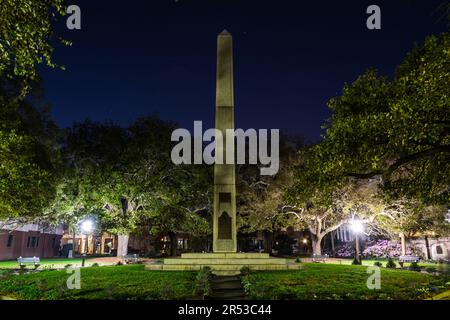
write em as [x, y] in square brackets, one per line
[224, 220]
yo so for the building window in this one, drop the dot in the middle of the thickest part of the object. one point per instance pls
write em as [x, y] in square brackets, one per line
[439, 250]
[33, 242]
[180, 243]
[9, 241]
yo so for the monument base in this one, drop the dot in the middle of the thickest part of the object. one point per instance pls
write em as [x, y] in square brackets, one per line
[223, 263]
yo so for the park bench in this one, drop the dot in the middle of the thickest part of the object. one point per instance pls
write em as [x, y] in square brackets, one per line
[131, 258]
[24, 261]
[408, 259]
[319, 257]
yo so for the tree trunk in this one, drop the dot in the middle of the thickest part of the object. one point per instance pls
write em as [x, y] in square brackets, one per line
[173, 244]
[122, 245]
[268, 241]
[427, 247]
[403, 241]
[74, 241]
[357, 249]
[316, 245]
[332, 243]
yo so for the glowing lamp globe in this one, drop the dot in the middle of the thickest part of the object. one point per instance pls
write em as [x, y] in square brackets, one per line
[87, 226]
[356, 226]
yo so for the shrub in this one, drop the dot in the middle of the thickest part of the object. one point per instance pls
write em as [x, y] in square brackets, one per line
[414, 267]
[389, 249]
[378, 264]
[247, 285]
[119, 263]
[430, 269]
[202, 285]
[245, 270]
[95, 264]
[345, 250]
[391, 264]
[298, 260]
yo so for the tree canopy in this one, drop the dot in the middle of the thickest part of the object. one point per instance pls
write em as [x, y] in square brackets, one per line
[27, 38]
[398, 128]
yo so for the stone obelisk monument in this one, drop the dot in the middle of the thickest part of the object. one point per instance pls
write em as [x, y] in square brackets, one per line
[224, 220]
[225, 260]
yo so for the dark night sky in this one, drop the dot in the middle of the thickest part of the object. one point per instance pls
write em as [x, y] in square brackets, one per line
[134, 58]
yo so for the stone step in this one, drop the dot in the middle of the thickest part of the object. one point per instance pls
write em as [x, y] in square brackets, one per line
[223, 261]
[224, 267]
[220, 279]
[231, 255]
[227, 288]
[230, 285]
[228, 295]
[222, 270]
[153, 266]
[226, 273]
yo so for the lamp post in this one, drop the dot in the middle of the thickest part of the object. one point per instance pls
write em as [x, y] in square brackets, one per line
[357, 228]
[87, 226]
[305, 243]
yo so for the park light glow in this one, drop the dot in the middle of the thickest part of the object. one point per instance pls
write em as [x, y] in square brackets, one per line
[356, 226]
[87, 226]
[305, 241]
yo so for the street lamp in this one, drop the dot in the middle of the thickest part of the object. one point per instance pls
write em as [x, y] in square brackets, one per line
[87, 226]
[357, 228]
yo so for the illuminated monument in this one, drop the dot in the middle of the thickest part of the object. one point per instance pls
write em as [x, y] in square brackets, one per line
[224, 218]
[224, 260]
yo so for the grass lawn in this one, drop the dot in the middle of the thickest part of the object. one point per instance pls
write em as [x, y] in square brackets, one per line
[429, 266]
[371, 262]
[313, 281]
[332, 281]
[45, 263]
[113, 282]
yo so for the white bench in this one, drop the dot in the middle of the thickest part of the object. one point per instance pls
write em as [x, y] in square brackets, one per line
[24, 261]
[131, 258]
[408, 259]
[319, 257]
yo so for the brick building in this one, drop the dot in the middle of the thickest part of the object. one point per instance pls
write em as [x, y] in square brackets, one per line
[28, 241]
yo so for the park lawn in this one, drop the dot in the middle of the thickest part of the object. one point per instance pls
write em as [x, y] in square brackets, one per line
[371, 262]
[45, 263]
[333, 281]
[111, 282]
[426, 265]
